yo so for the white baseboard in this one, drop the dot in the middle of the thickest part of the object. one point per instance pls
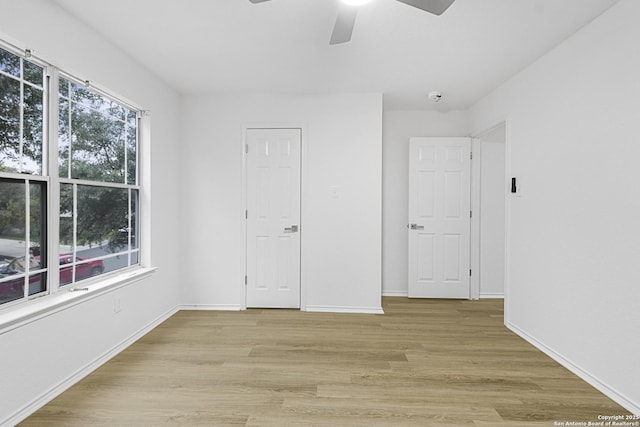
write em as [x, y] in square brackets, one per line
[338, 309]
[211, 307]
[395, 293]
[311, 308]
[613, 394]
[406, 294]
[63, 385]
[491, 296]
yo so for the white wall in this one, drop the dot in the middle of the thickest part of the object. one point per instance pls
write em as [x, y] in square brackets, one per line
[399, 126]
[574, 234]
[39, 358]
[341, 238]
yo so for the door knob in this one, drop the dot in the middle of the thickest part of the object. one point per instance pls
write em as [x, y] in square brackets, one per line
[292, 229]
[416, 227]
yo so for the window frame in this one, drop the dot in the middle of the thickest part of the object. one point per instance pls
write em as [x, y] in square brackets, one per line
[58, 180]
[13, 312]
[29, 271]
[27, 178]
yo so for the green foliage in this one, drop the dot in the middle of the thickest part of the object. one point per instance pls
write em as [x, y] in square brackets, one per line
[12, 209]
[102, 214]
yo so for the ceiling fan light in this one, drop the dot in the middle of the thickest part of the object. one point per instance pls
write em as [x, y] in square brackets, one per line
[355, 2]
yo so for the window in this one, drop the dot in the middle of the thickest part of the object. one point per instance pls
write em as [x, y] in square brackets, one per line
[97, 146]
[69, 205]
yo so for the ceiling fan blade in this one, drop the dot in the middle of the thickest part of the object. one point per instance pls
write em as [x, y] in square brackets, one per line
[343, 28]
[257, 1]
[437, 7]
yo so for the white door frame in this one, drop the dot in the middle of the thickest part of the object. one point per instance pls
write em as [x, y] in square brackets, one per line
[474, 246]
[242, 293]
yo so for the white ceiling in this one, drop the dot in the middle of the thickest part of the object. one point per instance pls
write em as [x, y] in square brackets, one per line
[210, 46]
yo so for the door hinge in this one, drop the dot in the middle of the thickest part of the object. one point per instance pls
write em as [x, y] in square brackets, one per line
[470, 214]
[246, 148]
[246, 214]
[471, 155]
[245, 280]
[469, 272]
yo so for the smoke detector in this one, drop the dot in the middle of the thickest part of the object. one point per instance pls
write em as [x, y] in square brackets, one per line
[435, 96]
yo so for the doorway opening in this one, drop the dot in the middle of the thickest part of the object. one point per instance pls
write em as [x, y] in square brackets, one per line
[488, 225]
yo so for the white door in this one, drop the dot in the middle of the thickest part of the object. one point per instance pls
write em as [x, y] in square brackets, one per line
[439, 217]
[273, 218]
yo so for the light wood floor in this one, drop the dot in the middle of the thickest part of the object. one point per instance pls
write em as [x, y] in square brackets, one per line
[423, 363]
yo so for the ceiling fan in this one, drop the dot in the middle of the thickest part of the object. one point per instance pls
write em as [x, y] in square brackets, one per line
[346, 19]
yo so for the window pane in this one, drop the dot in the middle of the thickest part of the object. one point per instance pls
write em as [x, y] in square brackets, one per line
[73, 271]
[66, 269]
[87, 98]
[63, 87]
[97, 136]
[63, 138]
[28, 157]
[91, 245]
[14, 239]
[12, 289]
[102, 233]
[37, 283]
[9, 124]
[9, 63]
[98, 144]
[66, 218]
[102, 212]
[134, 220]
[33, 73]
[132, 145]
[33, 130]
[12, 219]
[66, 234]
[38, 223]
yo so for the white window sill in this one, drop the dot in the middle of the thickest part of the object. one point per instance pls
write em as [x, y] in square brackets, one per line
[31, 311]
